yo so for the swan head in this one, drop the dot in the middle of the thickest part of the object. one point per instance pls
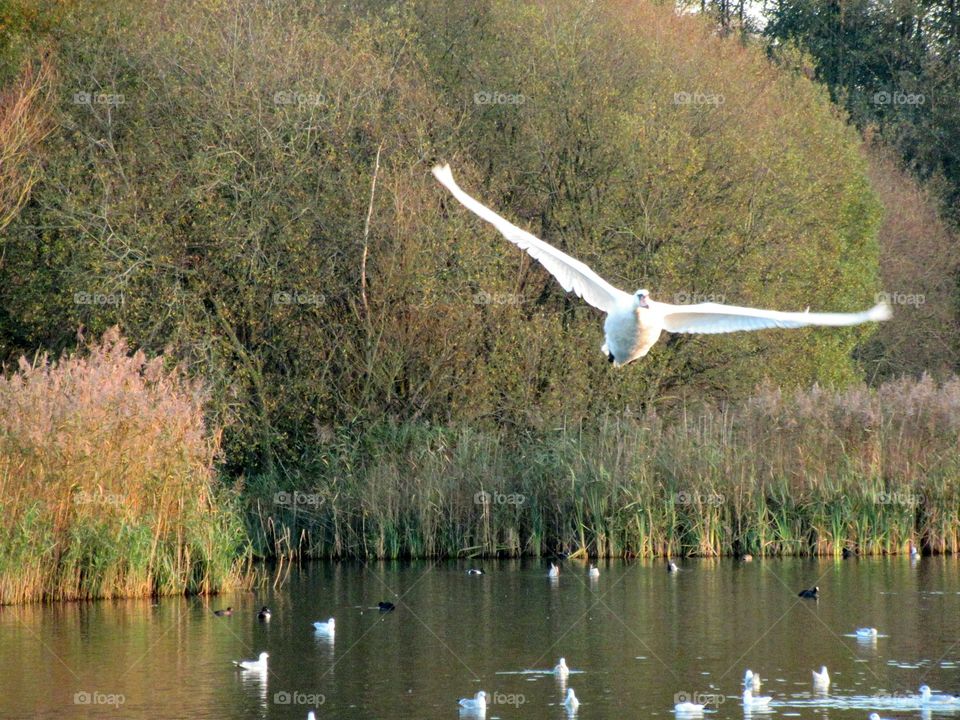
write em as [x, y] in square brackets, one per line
[641, 297]
[925, 692]
[264, 656]
[562, 663]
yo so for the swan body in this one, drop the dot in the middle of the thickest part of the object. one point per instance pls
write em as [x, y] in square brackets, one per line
[751, 681]
[688, 708]
[570, 701]
[260, 664]
[635, 322]
[671, 566]
[594, 571]
[554, 571]
[821, 680]
[561, 669]
[867, 632]
[927, 698]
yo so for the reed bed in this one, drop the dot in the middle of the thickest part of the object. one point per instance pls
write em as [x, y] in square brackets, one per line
[810, 473]
[106, 482]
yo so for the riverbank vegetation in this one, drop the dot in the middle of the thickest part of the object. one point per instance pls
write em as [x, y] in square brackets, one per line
[107, 482]
[243, 189]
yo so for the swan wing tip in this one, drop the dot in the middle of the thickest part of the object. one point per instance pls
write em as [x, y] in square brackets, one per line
[880, 312]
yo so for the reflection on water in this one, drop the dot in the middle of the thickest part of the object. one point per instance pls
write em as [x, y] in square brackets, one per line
[637, 641]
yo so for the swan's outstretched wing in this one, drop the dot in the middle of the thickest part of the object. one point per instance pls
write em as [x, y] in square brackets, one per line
[715, 318]
[569, 272]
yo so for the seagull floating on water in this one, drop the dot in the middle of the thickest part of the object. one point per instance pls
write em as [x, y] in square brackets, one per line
[328, 627]
[927, 698]
[810, 593]
[561, 669]
[821, 680]
[751, 681]
[570, 702]
[264, 613]
[260, 664]
[554, 571]
[753, 702]
[634, 322]
[478, 703]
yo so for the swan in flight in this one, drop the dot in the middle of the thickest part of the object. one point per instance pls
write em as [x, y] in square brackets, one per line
[821, 680]
[634, 322]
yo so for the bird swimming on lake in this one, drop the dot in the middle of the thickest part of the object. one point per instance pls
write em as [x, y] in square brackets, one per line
[867, 633]
[688, 708]
[751, 681]
[672, 566]
[926, 697]
[746, 557]
[912, 549]
[821, 680]
[875, 716]
[561, 669]
[260, 664]
[386, 606]
[594, 571]
[264, 613]
[223, 613]
[328, 627]
[570, 701]
[750, 701]
[554, 571]
[634, 322]
[478, 703]
[810, 593]
[474, 571]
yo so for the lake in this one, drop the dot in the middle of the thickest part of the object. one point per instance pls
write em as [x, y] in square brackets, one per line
[637, 639]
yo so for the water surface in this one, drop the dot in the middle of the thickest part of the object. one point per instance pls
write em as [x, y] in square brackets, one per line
[637, 639]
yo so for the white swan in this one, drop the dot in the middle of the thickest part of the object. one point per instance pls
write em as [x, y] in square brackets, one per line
[325, 627]
[867, 632]
[561, 669]
[554, 571]
[751, 681]
[634, 322]
[753, 702]
[594, 571]
[875, 716]
[821, 680]
[688, 708]
[570, 702]
[259, 665]
[477, 703]
[311, 716]
[672, 566]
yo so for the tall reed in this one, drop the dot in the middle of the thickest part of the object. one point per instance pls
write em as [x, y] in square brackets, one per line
[811, 473]
[106, 470]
